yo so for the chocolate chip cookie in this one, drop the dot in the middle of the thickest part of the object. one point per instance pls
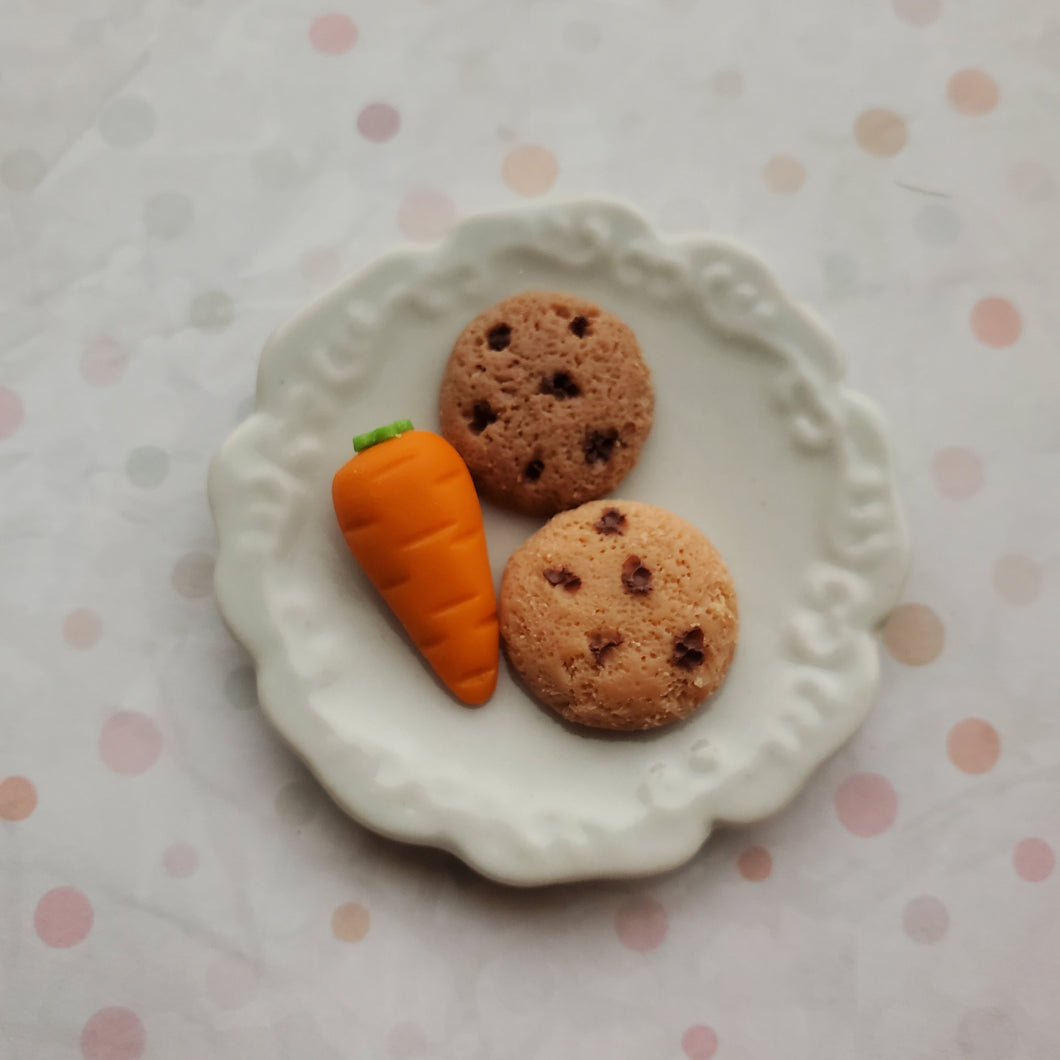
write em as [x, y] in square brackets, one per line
[619, 615]
[548, 400]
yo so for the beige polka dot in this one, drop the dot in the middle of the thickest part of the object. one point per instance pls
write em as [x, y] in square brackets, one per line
[18, 798]
[784, 174]
[530, 169]
[729, 84]
[972, 92]
[958, 473]
[349, 923]
[914, 634]
[1017, 579]
[82, 628]
[193, 575]
[880, 132]
[755, 863]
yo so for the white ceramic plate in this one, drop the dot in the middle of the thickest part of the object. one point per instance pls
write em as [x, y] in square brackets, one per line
[755, 442]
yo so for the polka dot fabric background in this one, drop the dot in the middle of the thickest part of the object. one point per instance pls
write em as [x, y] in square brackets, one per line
[177, 177]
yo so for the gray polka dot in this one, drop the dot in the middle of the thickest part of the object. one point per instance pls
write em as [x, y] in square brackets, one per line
[241, 688]
[937, 223]
[297, 802]
[22, 170]
[168, 214]
[840, 272]
[1049, 47]
[88, 33]
[211, 311]
[193, 575]
[127, 122]
[147, 466]
[582, 36]
[276, 167]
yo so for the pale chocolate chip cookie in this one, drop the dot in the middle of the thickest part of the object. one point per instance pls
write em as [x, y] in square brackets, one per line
[548, 400]
[619, 615]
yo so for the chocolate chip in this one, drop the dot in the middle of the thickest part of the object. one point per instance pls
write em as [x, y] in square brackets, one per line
[567, 578]
[636, 577]
[532, 471]
[602, 644]
[580, 325]
[560, 386]
[611, 522]
[599, 445]
[689, 651]
[481, 416]
[499, 337]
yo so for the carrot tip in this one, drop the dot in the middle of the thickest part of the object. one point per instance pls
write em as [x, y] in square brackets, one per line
[380, 434]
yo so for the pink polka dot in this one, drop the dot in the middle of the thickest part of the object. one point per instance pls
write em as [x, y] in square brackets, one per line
[320, 264]
[958, 473]
[82, 628]
[130, 743]
[63, 918]
[925, 919]
[996, 322]
[641, 924]
[113, 1034]
[12, 412]
[426, 214]
[1034, 860]
[699, 1042]
[918, 12]
[866, 804]
[333, 34]
[378, 122]
[987, 1034]
[405, 1041]
[103, 362]
[180, 860]
[230, 983]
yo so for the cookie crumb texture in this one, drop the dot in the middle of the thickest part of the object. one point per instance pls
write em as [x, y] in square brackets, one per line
[548, 400]
[619, 615]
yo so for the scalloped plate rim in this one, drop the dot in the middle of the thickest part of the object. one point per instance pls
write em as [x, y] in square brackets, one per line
[241, 621]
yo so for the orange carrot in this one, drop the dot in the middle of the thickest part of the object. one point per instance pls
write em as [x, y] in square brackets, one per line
[409, 512]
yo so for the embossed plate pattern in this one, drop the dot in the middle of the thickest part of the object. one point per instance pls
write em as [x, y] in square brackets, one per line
[755, 441]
